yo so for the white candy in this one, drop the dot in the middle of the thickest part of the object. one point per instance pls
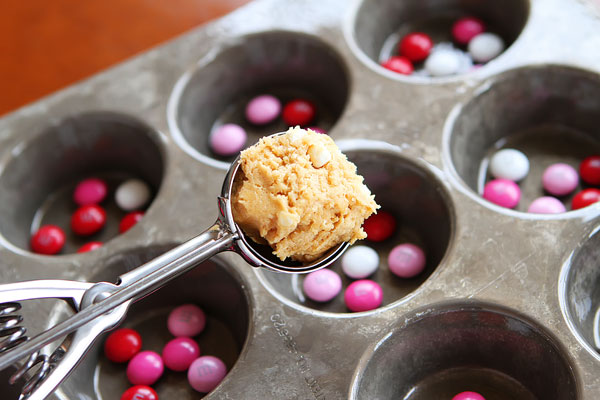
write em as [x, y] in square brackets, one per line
[442, 62]
[132, 194]
[359, 262]
[485, 47]
[509, 164]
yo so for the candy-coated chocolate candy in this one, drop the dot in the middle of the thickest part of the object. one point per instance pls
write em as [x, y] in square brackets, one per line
[502, 192]
[317, 129]
[228, 139]
[145, 368]
[206, 373]
[122, 344]
[187, 320]
[380, 226]
[298, 112]
[90, 191]
[139, 392]
[130, 220]
[263, 109]
[485, 47]
[322, 285]
[443, 62]
[560, 179]
[468, 396]
[89, 247]
[360, 261]
[49, 239]
[466, 28]
[87, 220]
[509, 164]
[406, 260]
[415, 46]
[399, 64]
[585, 198]
[546, 205]
[179, 353]
[363, 295]
[589, 170]
[132, 194]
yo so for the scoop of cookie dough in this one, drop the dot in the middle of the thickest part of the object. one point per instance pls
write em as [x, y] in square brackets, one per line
[301, 195]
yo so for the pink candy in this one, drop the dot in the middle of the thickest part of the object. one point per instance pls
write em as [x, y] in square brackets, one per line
[206, 373]
[90, 191]
[363, 295]
[187, 320]
[145, 368]
[468, 396]
[228, 139]
[546, 205]
[466, 29]
[406, 260]
[179, 353]
[317, 129]
[263, 109]
[502, 192]
[322, 285]
[560, 179]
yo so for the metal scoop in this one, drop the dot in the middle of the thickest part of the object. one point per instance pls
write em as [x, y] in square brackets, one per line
[101, 306]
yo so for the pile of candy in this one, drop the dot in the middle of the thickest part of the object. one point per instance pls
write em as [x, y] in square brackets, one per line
[228, 139]
[90, 217]
[181, 354]
[405, 260]
[509, 166]
[416, 49]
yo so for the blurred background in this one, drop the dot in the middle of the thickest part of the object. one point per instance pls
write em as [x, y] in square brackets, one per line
[47, 45]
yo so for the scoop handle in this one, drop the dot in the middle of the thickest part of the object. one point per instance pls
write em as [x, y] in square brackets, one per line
[102, 297]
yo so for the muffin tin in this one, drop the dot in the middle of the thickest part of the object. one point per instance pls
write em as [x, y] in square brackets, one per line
[507, 303]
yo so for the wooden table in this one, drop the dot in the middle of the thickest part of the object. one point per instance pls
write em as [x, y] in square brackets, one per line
[46, 45]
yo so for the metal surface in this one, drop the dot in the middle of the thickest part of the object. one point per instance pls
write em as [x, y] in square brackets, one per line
[515, 283]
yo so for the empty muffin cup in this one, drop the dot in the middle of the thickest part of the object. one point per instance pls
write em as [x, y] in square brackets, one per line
[579, 291]
[446, 349]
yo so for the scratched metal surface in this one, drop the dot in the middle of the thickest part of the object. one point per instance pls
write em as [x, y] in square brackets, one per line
[508, 298]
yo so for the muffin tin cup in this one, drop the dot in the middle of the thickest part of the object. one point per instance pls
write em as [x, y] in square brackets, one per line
[451, 348]
[500, 283]
[545, 111]
[412, 193]
[375, 29]
[38, 179]
[283, 64]
[214, 286]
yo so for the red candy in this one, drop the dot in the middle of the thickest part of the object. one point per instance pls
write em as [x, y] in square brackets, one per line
[589, 170]
[380, 226]
[298, 112]
[87, 220]
[139, 392]
[585, 198]
[415, 46]
[89, 247]
[122, 345]
[399, 64]
[49, 239]
[130, 220]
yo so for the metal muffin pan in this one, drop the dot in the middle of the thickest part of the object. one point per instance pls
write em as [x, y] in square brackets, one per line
[508, 300]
